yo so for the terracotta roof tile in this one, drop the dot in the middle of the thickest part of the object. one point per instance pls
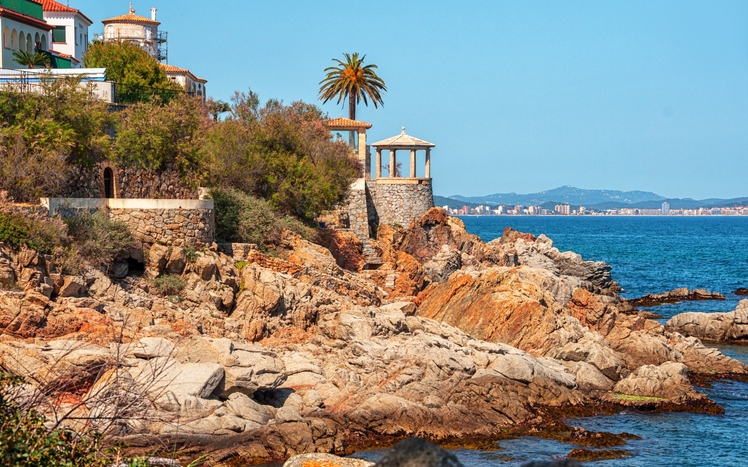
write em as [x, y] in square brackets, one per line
[175, 69]
[52, 5]
[130, 17]
[30, 20]
[342, 123]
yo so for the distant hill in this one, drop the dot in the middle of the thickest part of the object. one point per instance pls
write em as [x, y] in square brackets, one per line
[598, 200]
[442, 201]
[564, 194]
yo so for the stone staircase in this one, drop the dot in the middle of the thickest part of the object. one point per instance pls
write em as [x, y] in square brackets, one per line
[372, 260]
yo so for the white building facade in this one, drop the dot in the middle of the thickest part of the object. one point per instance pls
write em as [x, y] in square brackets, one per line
[23, 28]
[137, 30]
[189, 82]
[69, 30]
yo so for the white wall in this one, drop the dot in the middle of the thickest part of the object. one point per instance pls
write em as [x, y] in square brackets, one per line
[76, 34]
[6, 60]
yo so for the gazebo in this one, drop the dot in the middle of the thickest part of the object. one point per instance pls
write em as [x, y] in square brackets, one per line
[352, 132]
[403, 142]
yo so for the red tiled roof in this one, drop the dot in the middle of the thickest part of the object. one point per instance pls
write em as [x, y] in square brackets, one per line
[181, 71]
[346, 123]
[26, 19]
[129, 18]
[64, 55]
[52, 5]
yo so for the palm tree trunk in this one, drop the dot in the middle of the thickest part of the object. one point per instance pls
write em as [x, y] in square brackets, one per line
[352, 106]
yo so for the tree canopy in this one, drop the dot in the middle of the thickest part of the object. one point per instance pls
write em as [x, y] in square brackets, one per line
[281, 153]
[138, 75]
[354, 81]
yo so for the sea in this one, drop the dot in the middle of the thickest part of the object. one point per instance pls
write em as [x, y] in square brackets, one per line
[647, 254]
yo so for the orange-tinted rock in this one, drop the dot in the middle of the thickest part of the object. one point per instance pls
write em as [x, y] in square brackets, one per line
[496, 306]
[345, 247]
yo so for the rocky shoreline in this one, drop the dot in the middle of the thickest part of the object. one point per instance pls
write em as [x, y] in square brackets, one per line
[264, 357]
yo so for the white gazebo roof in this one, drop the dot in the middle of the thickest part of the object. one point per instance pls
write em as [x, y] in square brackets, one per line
[403, 141]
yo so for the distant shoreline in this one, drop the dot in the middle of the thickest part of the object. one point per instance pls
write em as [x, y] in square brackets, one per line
[601, 215]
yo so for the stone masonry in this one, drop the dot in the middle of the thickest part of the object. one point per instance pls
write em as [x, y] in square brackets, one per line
[398, 203]
[169, 226]
[129, 182]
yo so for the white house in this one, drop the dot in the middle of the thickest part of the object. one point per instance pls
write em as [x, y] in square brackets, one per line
[70, 30]
[137, 30]
[189, 82]
[23, 28]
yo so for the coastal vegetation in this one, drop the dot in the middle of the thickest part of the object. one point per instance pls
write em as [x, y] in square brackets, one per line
[274, 154]
[139, 76]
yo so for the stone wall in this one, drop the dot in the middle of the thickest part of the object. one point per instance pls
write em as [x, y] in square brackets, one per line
[168, 226]
[358, 216]
[129, 182]
[399, 201]
[169, 221]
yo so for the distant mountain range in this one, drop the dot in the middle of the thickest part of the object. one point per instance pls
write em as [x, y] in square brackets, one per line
[593, 199]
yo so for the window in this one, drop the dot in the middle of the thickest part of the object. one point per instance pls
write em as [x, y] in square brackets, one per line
[14, 40]
[29, 44]
[6, 37]
[22, 41]
[43, 43]
[75, 35]
[58, 34]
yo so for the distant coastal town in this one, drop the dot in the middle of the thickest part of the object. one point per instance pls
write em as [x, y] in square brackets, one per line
[569, 210]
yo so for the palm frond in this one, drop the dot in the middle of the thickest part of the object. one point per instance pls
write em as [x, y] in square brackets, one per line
[351, 78]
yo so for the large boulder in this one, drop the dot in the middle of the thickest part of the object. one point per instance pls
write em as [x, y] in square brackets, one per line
[666, 381]
[720, 327]
[416, 452]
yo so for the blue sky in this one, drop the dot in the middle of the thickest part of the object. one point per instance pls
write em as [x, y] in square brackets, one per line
[518, 96]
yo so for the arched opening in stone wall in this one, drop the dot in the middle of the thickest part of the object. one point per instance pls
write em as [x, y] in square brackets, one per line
[108, 183]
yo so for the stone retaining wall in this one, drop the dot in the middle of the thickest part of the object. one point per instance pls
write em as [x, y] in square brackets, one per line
[400, 201]
[169, 221]
[358, 216]
[168, 226]
[129, 182]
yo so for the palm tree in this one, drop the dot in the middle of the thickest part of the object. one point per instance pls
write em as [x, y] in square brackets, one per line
[29, 59]
[352, 80]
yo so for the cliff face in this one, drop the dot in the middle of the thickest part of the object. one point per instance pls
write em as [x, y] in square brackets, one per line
[264, 356]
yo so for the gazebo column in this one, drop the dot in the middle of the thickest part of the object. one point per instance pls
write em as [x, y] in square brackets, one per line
[393, 162]
[379, 164]
[412, 163]
[427, 168]
[361, 144]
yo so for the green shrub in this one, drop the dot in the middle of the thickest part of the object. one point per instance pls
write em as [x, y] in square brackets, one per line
[97, 238]
[26, 442]
[44, 236]
[14, 229]
[295, 225]
[168, 285]
[247, 219]
[190, 253]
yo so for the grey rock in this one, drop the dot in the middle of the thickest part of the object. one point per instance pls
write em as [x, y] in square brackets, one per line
[730, 326]
[415, 452]
[71, 286]
[177, 260]
[668, 381]
[120, 269]
[151, 347]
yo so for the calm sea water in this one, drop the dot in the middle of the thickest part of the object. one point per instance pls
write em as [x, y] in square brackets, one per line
[648, 254]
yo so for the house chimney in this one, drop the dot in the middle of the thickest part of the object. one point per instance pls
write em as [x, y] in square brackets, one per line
[153, 14]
